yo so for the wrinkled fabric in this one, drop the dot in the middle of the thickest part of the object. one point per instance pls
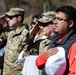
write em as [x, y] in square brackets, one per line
[56, 64]
[13, 48]
[29, 66]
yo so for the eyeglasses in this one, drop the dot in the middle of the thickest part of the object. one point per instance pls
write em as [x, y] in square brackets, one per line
[10, 17]
[60, 19]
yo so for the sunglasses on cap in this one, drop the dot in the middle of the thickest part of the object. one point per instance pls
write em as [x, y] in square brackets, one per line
[10, 17]
[46, 24]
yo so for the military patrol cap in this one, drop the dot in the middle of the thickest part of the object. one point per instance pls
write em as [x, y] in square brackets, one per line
[47, 17]
[15, 11]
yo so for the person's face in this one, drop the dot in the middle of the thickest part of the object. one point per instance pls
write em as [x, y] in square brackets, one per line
[12, 20]
[47, 30]
[61, 24]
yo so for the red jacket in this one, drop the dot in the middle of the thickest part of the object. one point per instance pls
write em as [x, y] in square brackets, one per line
[41, 60]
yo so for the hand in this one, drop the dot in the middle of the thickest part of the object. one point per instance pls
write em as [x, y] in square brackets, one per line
[2, 19]
[25, 54]
[51, 52]
[34, 29]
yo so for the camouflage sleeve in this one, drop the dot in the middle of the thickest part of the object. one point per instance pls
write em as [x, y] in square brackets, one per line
[27, 43]
[44, 45]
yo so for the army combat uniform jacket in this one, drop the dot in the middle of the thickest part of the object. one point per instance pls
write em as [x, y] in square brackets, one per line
[13, 48]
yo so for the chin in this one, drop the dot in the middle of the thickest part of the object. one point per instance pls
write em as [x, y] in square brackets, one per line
[55, 31]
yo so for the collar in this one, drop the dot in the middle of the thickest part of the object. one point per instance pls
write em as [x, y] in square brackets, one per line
[19, 30]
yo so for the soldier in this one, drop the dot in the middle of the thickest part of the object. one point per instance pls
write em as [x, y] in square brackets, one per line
[46, 22]
[40, 46]
[15, 38]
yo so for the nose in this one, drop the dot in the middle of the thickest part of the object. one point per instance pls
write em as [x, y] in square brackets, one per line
[41, 27]
[7, 19]
[55, 21]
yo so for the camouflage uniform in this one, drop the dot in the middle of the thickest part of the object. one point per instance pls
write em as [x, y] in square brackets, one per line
[44, 44]
[14, 47]
[39, 46]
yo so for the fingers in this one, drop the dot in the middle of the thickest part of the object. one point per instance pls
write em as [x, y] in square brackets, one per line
[2, 19]
[51, 52]
[34, 29]
[25, 54]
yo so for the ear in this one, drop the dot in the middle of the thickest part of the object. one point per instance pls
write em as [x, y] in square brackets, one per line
[71, 23]
[19, 18]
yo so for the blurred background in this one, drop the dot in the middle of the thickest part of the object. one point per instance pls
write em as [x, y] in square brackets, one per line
[33, 7]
